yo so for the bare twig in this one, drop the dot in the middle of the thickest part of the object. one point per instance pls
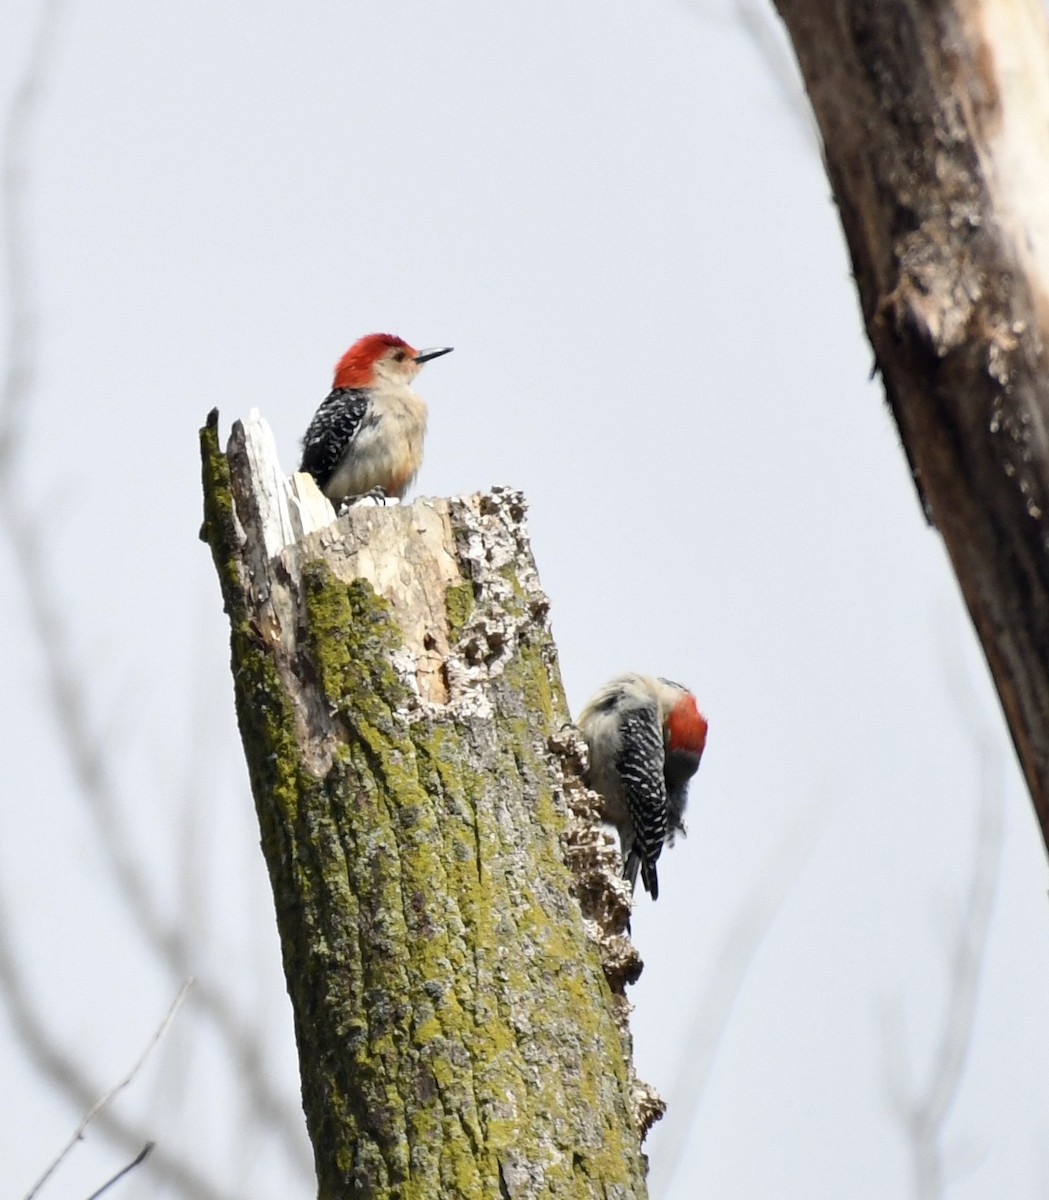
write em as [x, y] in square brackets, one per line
[715, 1005]
[20, 369]
[755, 18]
[69, 1077]
[923, 1116]
[84, 749]
[91, 770]
[101, 1103]
[123, 1171]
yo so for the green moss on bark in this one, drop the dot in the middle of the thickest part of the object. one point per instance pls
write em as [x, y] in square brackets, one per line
[453, 1022]
[459, 604]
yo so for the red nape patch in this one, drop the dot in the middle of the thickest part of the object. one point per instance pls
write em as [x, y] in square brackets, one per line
[687, 726]
[354, 369]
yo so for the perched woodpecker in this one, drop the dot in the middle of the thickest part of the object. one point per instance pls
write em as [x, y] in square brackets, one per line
[646, 736]
[367, 437]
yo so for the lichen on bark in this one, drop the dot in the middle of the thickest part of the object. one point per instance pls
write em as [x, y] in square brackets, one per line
[403, 720]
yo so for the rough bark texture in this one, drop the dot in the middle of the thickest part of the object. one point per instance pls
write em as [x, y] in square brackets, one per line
[418, 792]
[935, 123]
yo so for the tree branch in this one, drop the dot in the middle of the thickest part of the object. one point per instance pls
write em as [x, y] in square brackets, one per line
[104, 1100]
[77, 737]
[935, 124]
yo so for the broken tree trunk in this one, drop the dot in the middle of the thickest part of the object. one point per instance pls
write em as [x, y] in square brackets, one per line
[457, 988]
[935, 124]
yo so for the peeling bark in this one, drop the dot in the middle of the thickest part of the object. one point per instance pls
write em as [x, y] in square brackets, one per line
[457, 988]
[935, 124]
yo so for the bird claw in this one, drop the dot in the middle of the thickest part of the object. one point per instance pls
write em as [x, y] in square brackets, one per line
[376, 496]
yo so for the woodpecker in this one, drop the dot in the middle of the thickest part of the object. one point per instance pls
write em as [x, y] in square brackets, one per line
[367, 437]
[646, 737]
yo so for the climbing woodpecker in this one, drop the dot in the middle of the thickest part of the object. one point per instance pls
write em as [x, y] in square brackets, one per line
[646, 736]
[367, 437]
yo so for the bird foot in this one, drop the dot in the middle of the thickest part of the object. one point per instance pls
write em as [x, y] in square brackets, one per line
[377, 496]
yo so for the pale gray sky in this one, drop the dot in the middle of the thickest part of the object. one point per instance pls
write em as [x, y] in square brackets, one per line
[612, 214]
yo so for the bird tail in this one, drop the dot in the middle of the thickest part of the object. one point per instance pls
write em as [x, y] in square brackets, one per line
[633, 863]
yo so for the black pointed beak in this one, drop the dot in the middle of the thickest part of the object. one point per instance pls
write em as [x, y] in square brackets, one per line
[435, 352]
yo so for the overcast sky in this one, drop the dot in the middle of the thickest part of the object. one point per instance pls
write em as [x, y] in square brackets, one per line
[615, 216]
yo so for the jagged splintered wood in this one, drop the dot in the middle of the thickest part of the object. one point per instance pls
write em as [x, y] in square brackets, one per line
[450, 912]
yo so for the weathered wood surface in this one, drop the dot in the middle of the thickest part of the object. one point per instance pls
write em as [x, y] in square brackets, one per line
[935, 124]
[418, 791]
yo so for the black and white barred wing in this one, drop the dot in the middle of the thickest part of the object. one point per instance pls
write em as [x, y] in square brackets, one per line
[640, 766]
[333, 428]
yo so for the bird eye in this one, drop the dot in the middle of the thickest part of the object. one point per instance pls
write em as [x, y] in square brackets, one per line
[398, 356]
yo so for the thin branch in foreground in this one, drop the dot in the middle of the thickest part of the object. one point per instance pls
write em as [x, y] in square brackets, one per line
[755, 19]
[76, 734]
[923, 1114]
[16, 389]
[94, 777]
[726, 977]
[101, 1103]
[123, 1171]
[21, 364]
[67, 1074]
